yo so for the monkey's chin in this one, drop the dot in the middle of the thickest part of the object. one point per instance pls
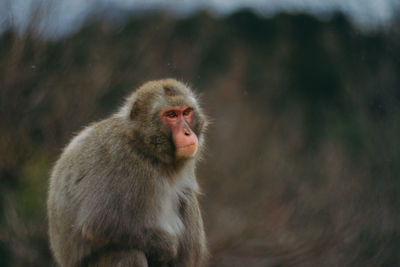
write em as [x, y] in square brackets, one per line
[186, 151]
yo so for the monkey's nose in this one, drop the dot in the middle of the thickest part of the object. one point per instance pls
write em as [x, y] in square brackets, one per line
[187, 133]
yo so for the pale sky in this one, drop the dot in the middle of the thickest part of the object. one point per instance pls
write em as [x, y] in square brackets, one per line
[65, 16]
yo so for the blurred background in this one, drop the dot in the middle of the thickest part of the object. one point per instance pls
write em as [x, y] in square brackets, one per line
[302, 165]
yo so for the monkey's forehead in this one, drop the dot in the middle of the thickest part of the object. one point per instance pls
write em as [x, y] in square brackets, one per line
[163, 102]
[166, 92]
[169, 87]
[157, 95]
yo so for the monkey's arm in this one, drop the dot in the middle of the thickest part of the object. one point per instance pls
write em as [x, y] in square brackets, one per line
[113, 257]
[120, 220]
[161, 247]
[193, 251]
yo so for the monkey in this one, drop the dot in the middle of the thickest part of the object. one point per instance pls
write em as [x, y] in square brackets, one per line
[124, 190]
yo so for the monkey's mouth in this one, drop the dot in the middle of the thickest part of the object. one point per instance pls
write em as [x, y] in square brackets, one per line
[186, 151]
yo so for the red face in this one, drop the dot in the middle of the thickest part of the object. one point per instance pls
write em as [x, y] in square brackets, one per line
[180, 119]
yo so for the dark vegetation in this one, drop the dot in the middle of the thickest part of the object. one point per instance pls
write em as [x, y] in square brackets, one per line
[303, 154]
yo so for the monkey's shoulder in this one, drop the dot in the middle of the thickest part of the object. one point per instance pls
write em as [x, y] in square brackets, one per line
[106, 134]
[100, 149]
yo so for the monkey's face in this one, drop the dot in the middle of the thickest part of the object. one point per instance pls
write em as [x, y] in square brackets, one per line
[179, 120]
[168, 122]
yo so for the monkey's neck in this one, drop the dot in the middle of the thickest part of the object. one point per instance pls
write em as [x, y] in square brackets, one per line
[177, 166]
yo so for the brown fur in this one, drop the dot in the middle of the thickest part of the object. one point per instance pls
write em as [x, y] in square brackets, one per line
[118, 179]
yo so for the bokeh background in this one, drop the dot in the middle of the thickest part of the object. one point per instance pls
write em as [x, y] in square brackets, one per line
[302, 165]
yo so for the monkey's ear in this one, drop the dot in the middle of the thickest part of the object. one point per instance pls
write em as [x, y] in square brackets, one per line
[134, 110]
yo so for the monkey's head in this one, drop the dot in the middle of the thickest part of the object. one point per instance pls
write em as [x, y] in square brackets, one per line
[167, 122]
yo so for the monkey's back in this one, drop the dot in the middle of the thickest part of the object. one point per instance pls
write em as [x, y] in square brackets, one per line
[89, 187]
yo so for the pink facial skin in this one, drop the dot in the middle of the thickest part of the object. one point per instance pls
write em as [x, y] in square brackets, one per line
[179, 119]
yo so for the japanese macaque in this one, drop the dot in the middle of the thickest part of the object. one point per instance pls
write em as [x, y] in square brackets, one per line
[124, 191]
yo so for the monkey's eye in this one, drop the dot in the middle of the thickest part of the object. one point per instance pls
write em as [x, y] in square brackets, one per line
[187, 111]
[171, 114]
